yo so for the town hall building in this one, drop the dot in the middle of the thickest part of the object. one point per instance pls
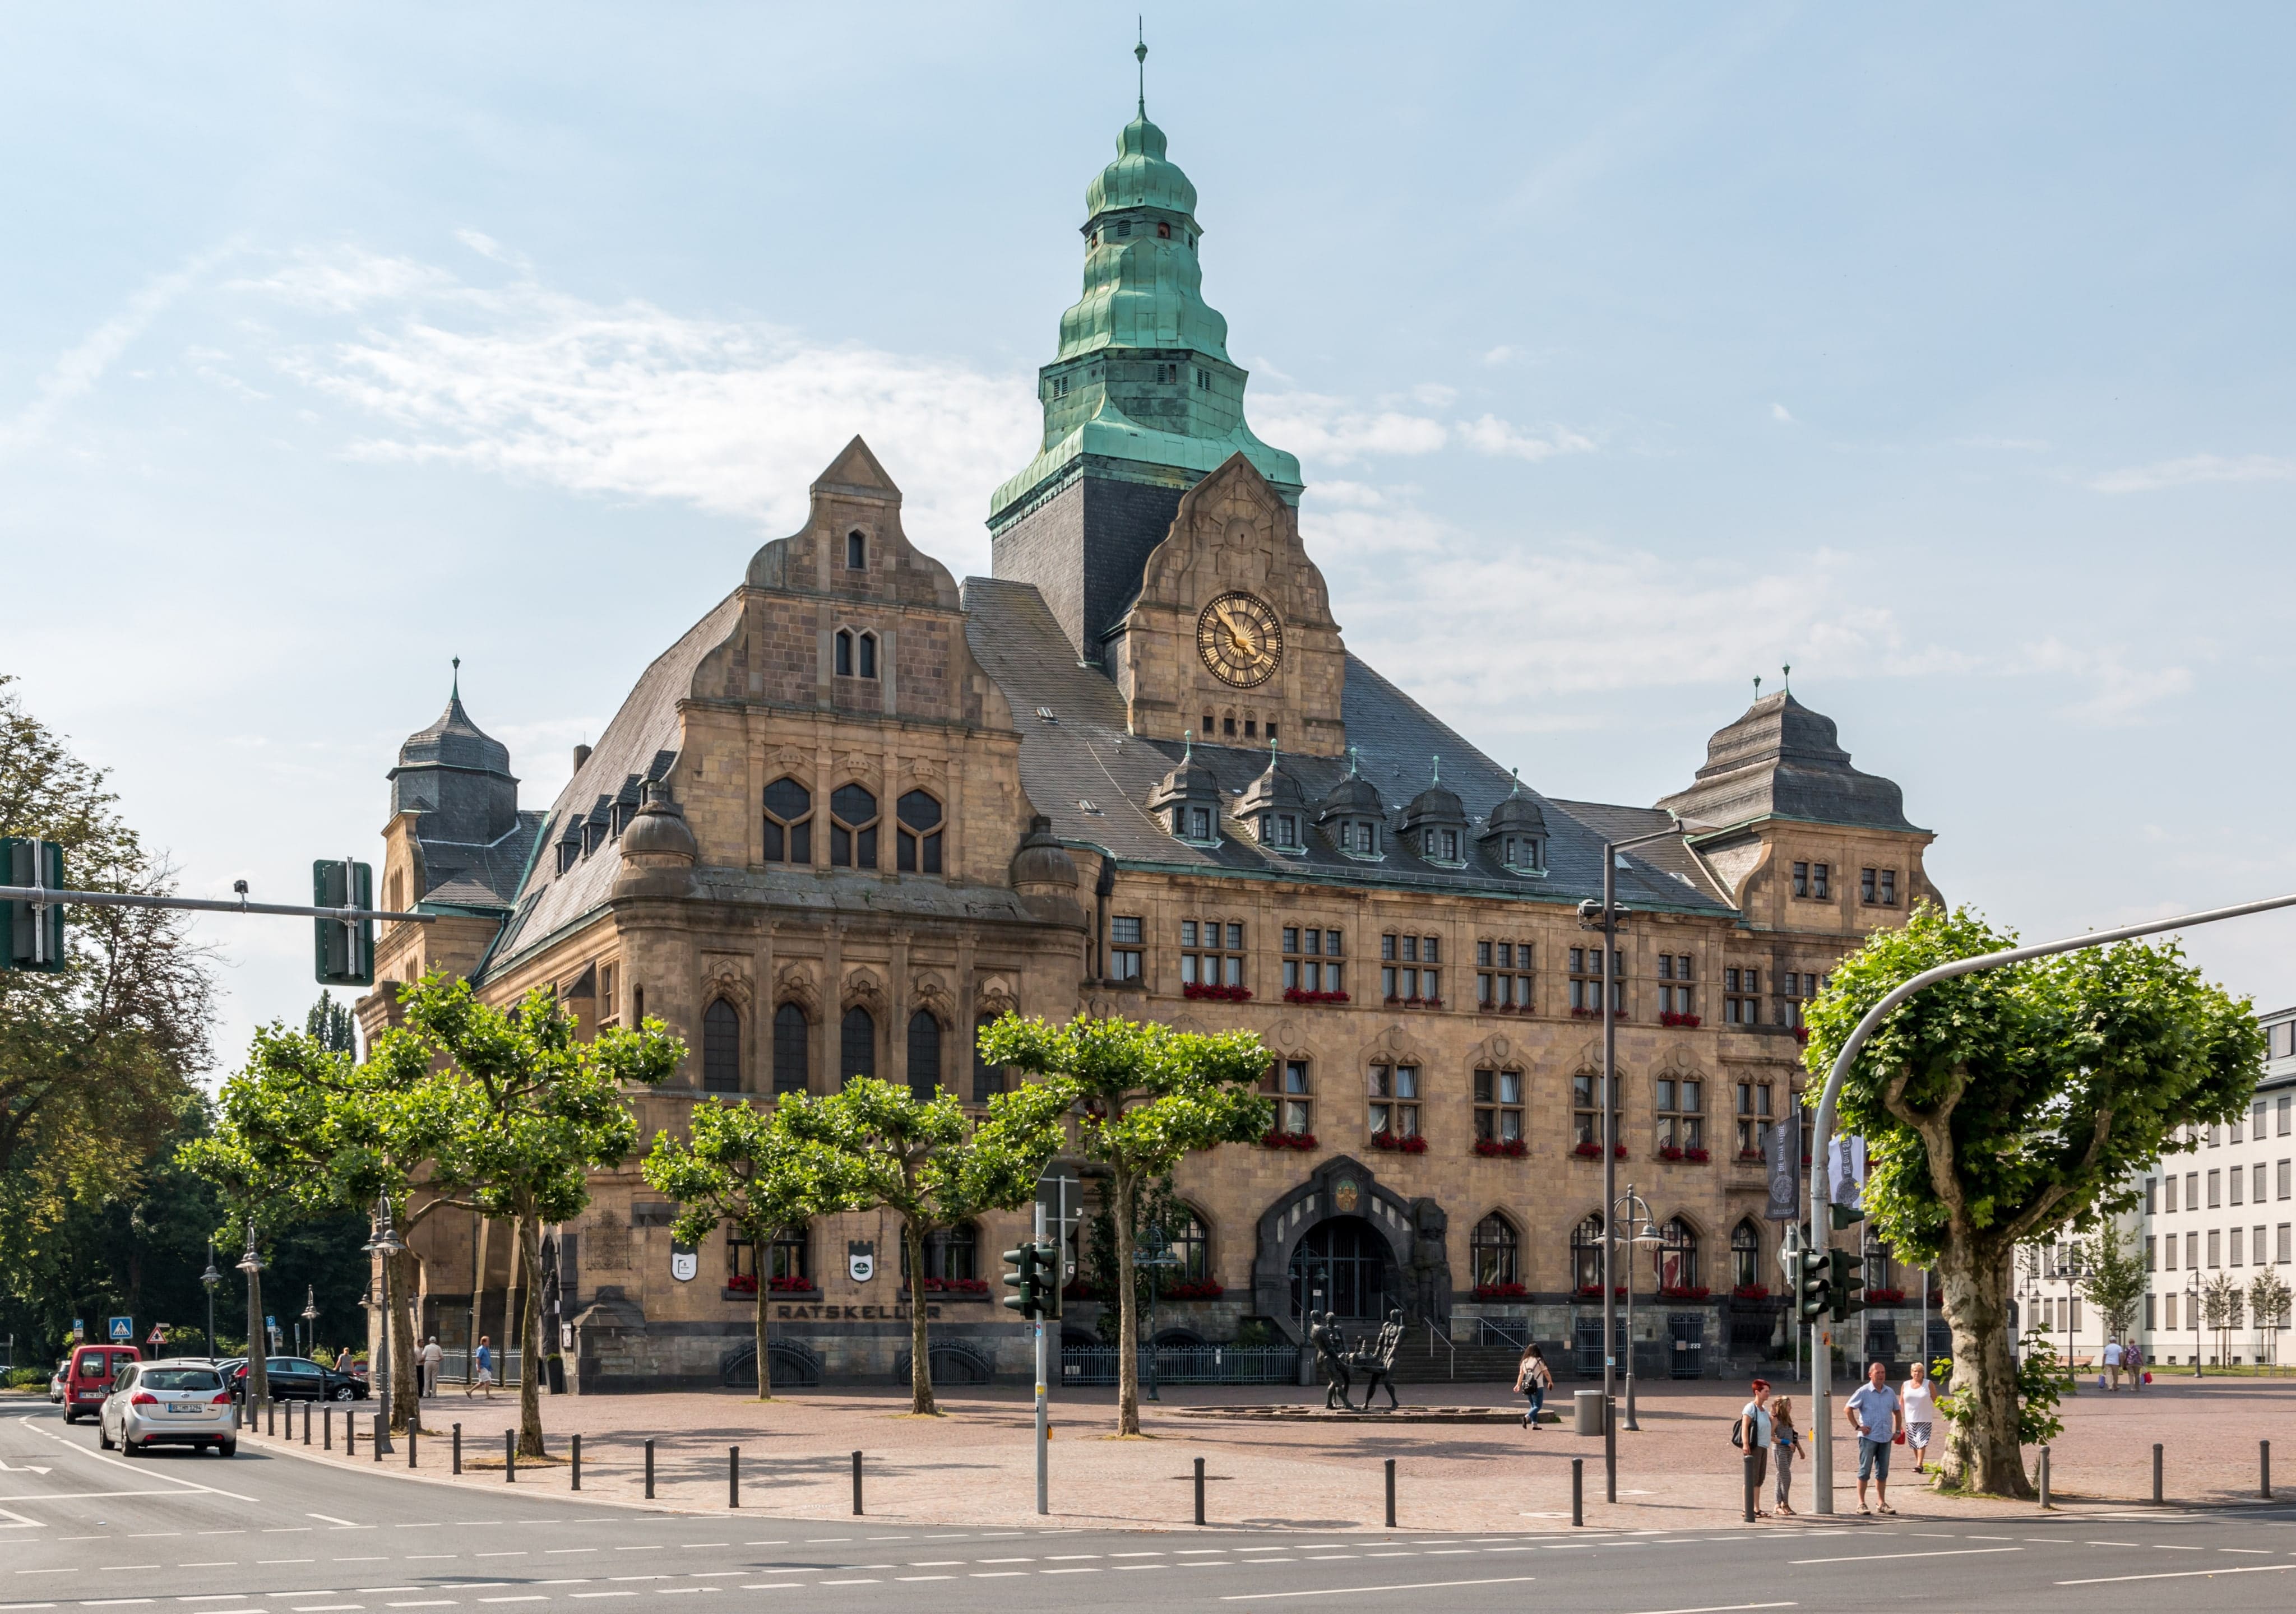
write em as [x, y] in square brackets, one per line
[860, 809]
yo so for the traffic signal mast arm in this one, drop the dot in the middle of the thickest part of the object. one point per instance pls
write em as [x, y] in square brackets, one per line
[130, 899]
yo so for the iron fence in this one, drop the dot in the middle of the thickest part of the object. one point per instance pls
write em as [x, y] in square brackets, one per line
[454, 1366]
[1085, 1364]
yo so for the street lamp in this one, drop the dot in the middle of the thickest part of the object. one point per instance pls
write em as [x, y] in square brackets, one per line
[1156, 1256]
[310, 1319]
[2193, 1304]
[385, 1243]
[1647, 1235]
[259, 1379]
[207, 1281]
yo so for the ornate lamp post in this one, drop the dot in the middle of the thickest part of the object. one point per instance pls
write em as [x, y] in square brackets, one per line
[207, 1281]
[385, 1243]
[1156, 1256]
[310, 1319]
[1646, 1235]
[259, 1380]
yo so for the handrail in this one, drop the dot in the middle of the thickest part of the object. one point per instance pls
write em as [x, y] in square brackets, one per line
[1435, 1334]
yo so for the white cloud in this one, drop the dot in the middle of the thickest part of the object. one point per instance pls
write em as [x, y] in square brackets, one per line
[1778, 412]
[2195, 468]
[2118, 692]
[343, 282]
[78, 368]
[1500, 355]
[1340, 431]
[1493, 435]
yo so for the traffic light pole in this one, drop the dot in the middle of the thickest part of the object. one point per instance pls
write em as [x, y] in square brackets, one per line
[1044, 1408]
[40, 895]
[1821, 1190]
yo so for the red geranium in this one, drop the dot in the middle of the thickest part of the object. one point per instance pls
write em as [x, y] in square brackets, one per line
[1217, 994]
[1512, 1148]
[1301, 995]
[1672, 1019]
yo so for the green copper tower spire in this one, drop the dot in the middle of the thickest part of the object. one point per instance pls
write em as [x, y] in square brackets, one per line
[1141, 402]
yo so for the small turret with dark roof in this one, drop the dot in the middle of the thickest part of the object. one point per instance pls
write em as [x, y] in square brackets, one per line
[458, 776]
[1352, 813]
[1274, 807]
[1782, 760]
[1187, 800]
[1516, 833]
[1435, 823]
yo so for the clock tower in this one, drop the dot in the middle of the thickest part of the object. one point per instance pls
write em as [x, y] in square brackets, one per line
[1141, 403]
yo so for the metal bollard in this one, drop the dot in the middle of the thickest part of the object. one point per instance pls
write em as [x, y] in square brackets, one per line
[576, 1453]
[327, 1429]
[270, 1416]
[1199, 1490]
[2045, 1475]
[458, 1448]
[1390, 1493]
[2156, 1471]
[1579, 1490]
[413, 1430]
[350, 1434]
[307, 1423]
[378, 1437]
[856, 1485]
[510, 1457]
[649, 1471]
[2264, 1468]
[733, 1475]
[1747, 1463]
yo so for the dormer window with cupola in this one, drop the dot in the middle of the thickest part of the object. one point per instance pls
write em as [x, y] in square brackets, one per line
[1435, 824]
[1515, 838]
[1353, 817]
[1187, 801]
[1276, 809]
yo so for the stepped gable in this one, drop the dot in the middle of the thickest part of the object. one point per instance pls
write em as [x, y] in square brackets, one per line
[1782, 760]
[1082, 754]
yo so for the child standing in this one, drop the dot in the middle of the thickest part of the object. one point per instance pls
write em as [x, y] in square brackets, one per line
[1785, 1442]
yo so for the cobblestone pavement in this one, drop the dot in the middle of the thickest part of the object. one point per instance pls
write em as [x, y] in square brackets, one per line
[972, 1465]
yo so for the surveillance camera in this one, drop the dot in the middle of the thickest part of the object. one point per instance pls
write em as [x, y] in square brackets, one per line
[1590, 912]
[239, 888]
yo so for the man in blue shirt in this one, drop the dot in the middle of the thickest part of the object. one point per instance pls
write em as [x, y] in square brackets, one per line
[1874, 1412]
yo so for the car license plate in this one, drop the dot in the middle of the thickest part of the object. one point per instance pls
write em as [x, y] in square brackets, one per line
[183, 1406]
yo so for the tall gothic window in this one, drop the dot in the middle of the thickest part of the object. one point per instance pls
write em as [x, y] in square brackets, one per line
[1745, 1257]
[852, 827]
[792, 1055]
[1586, 1254]
[918, 850]
[789, 822]
[924, 1055]
[1677, 1255]
[721, 1048]
[857, 1044]
[1495, 1248]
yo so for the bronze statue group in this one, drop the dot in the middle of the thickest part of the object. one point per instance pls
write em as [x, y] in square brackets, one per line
[1374, 1358]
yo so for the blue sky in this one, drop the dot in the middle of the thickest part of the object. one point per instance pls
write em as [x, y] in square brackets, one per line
[1631, 352]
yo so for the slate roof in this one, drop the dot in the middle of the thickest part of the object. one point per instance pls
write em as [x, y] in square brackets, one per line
[1782, 760]
[464, 875]
[453, 741]
[1085, 756]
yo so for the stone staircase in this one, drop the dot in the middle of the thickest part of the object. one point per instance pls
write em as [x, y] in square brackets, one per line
[1472, 1364]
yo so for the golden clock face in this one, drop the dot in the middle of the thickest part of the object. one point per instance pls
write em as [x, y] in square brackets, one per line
[1240, 639]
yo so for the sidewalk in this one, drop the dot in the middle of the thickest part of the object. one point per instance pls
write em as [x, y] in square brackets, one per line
[973, 1466]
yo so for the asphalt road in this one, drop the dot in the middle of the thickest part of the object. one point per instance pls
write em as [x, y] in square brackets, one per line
[179, 1533]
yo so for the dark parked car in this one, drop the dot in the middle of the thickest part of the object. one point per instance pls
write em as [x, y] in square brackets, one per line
[299, 1378]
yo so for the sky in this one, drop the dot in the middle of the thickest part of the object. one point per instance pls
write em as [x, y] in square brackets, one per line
[1632, 353]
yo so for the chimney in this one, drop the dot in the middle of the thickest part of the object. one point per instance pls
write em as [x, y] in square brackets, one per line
[581, 756]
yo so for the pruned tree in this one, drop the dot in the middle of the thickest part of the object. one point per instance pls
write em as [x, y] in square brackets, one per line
[2267, 1303]
[1150, 1096]
[748, 1171]
[2111, 1277]
[930, 1163]
[2015, 1103]
[2221, 1298]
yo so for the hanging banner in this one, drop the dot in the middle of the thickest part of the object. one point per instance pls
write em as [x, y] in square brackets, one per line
[1785, 1166]
[1846, 1169]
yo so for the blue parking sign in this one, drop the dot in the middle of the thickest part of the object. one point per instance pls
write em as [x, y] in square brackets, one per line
[123, 1330]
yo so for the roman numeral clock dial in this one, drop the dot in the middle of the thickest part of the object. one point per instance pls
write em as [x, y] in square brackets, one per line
[1240, 640]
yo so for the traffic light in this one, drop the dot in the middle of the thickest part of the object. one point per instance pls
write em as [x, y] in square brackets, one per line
[1048, 1276]
[344, 950]
[1812, 1291]
[31, 937]
[1025, 1273]
[1847, 1280]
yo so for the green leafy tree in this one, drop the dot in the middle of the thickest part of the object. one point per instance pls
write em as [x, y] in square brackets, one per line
[1149, 1096]
[747, 1170]
[2111, 1278]
[515, 1110]
[929, 1163]
[330, 1026]
[2012, 1104]
[1157, 1214]
[2221, 1298]
[2267, 1303]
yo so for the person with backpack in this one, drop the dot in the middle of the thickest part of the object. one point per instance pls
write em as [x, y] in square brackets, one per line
[1785, 1440]
[1754, 1433]
[1533, 1379]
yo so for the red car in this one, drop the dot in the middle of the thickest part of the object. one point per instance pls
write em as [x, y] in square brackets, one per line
[94, 1368]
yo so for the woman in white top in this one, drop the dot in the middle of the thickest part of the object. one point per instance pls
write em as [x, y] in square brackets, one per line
[1920, 1406]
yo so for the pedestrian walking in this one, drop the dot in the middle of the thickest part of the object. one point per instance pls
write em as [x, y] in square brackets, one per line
[1785, 1445]
[482, 1373]
[343, 1363]
[1754, 1433]
[1875, 1412]
[434, 1358]
[1533, 1379]
[2132, 1363]
[1918, 1399]
[2113, 1357]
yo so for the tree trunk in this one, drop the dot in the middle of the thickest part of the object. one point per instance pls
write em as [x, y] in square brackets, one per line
[765, 1360]
[1122, 1188]
[405, 1406]
[921, 1391]
[529, 1359]
[1984, 1454]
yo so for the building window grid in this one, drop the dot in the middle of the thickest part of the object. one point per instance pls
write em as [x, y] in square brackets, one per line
[1586, 1113]
[1502, 976]
[1681, 1112]
[1312, 959]
[1219, 963]
[1126, 932]
[1753, 1119]
[1742, 1002]
[1406, 972]
[1586, 981]
[1499, 1106]
[788, 823]
[1395, 1101]
[1674, 996]
[1494, 1250]
[1298, 1099]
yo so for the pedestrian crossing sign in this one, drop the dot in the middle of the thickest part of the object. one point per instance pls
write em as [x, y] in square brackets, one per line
[123, 1330]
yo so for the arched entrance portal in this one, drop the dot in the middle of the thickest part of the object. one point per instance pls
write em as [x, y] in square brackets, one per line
[1341, 1265]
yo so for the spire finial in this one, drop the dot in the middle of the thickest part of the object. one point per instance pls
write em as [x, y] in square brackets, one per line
[1787, 670]
[1271, 751]
[1140, 55]
[1354, 757]
[1187, 746]
[1757, 688]
[1517, 773]
[1438, 770]
[457, 691]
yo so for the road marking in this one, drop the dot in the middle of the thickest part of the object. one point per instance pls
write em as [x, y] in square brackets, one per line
[845, 1583]
[2248, 1569]
[339, 1523]
[1413, 1586]
[2108, 1543]
[536, 1598]
[926, 1578]
[615, 1594]
[990, 1575]
[1877, 1557]
[211, 1563]
[1049, 1557]
[1044, 1572]
[1724, 1607]
[943, 1563]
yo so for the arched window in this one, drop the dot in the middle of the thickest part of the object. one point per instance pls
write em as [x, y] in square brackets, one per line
[792, 1261]
[987, 1079]
[844, 643]
[919, 848]
[721, 1047]
[1586, 1255]
[789, 822]
[951, 1256]
[1192, 1246]
[1677, 1256]
[1745, 1257]
[1495, 1248]
[852, 827]
[869, 648]
[856, 552]
[924, 1055]
[793, 1051]
[1877, 1265]
[857, 1044]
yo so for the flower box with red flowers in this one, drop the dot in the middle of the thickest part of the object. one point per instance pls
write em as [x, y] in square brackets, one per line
[1750, 1292]
[1214, 993]
[1669, 1152]
[1801, 1034]
[1412, 1144]
[1194, 1288]
[1501, 1291]
[1287, 1140]
[1696, 1157]
[1750, 1154]
[956, 1286]
[1683, 1291]
[1513, 1149]
[790, 1286]
[742, 1283]
[1588, 1152]
[1885, 1297]
[1301, 995]
[1671, 1018]
[1585, 1013]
